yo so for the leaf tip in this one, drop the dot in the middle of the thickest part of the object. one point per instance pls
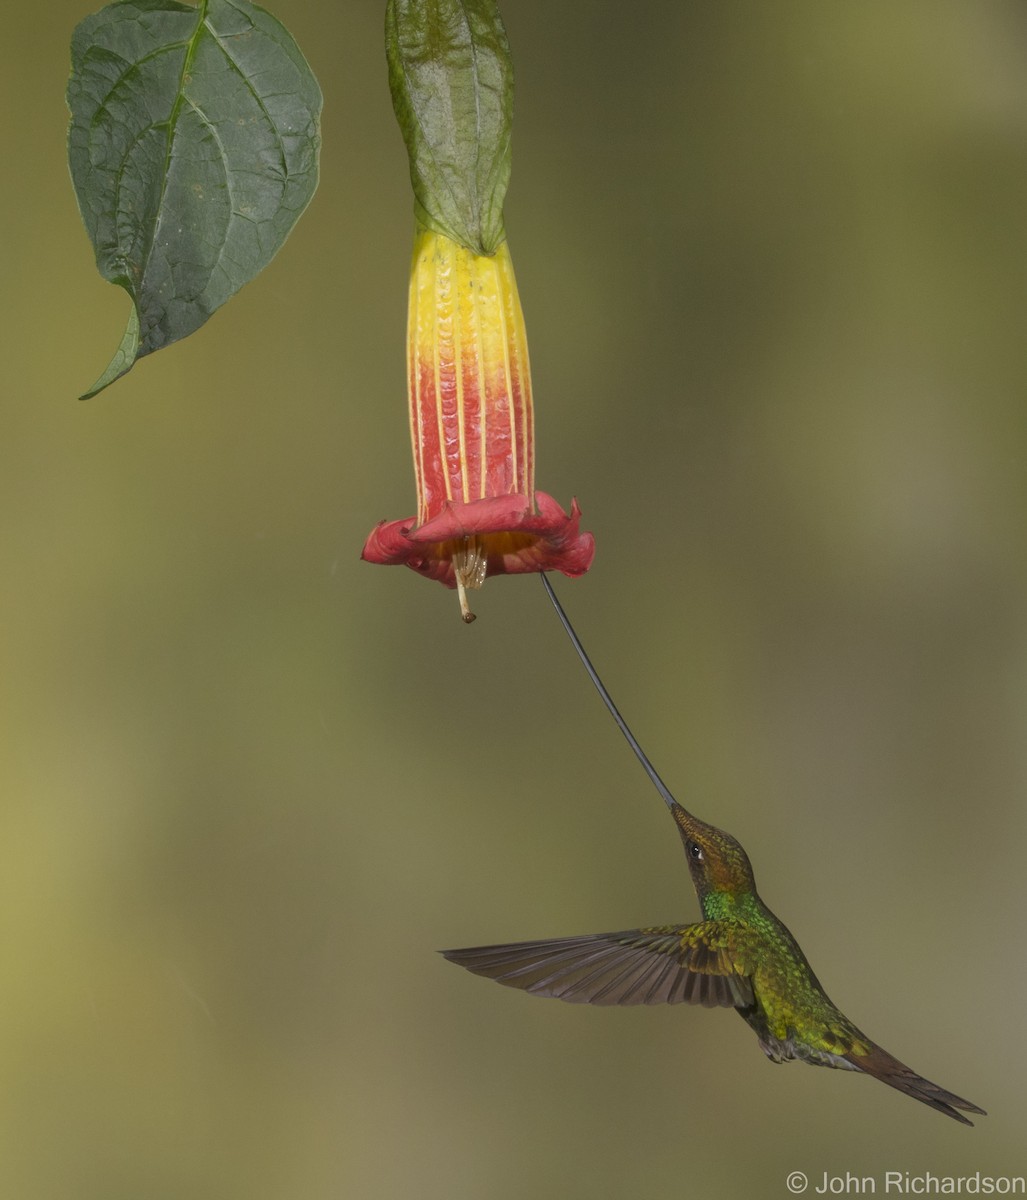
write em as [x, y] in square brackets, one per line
[124, 357]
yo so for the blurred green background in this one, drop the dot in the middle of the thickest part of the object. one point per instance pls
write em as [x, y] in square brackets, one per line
[772, 259]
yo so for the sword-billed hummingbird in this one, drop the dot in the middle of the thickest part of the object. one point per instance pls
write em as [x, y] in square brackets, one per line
[739, 956]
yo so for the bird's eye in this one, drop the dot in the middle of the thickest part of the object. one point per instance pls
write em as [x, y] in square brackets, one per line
[695, 851]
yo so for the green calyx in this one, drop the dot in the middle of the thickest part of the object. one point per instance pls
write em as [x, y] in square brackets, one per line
[452, 88]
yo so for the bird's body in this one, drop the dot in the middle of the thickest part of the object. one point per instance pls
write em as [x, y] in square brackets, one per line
[739, 956]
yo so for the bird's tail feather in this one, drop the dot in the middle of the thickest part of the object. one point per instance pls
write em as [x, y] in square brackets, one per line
[881, 1065]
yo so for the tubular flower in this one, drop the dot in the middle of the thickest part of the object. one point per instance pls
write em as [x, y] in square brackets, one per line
[472, 430]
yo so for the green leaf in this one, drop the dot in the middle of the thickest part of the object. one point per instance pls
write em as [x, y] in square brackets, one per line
[452, 89]
[193, 148]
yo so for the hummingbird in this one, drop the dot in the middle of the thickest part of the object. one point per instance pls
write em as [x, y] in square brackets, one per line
[740, 955]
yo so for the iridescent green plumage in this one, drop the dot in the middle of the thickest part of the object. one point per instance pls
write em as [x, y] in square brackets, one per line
[740, 956]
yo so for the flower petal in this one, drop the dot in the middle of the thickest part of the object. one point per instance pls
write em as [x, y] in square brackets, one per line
[513, 535]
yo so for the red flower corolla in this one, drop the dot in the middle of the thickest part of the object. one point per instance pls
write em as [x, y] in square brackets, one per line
[472, 431]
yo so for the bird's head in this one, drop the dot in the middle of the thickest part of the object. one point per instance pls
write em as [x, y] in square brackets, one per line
[716, 860]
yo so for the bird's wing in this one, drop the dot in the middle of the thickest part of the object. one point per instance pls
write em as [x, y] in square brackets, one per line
[695, 964]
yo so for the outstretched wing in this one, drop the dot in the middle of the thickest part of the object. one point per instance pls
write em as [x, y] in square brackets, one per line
[693, 964]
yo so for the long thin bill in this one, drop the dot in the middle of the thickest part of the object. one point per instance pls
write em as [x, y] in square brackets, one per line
[622, 725]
